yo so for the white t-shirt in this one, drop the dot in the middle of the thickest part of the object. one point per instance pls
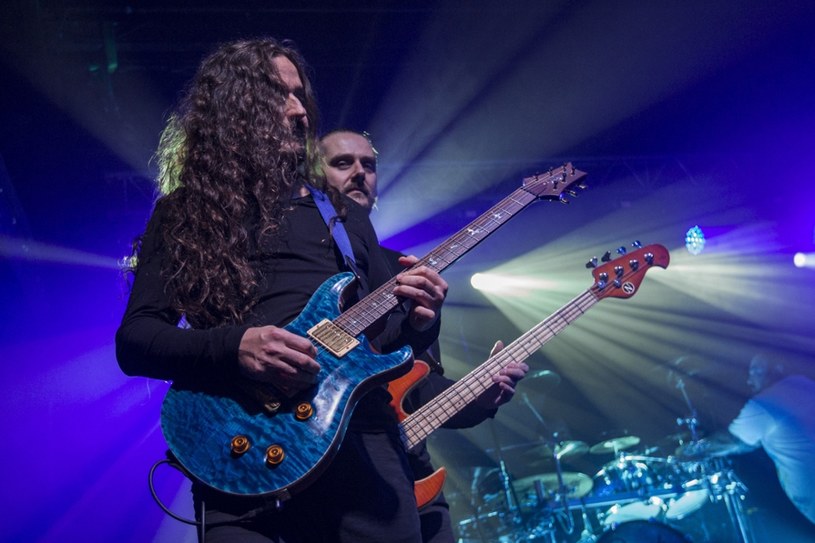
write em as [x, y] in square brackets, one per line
[781, 418]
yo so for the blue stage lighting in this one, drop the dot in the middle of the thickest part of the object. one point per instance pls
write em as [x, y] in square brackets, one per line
[695, 240]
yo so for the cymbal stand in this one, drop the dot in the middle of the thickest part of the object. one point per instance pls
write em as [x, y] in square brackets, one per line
[725, 485]
[691, 421]
[509, 491]
[587, 535]
[562, 494]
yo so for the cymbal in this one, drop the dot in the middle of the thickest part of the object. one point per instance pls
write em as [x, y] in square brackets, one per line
[543, 452]
[571, 448]
[698, 450]
[576, 484]
[543, 379]
[614, 444]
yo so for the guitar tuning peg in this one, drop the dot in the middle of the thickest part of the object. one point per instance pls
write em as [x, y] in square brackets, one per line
[562, 199]
[592, 263]
[649, 258]
[606, 256]
[572, 192]
[636, 244]
[621, 250]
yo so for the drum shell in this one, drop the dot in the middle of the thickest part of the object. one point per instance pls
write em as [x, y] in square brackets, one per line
[642, 531]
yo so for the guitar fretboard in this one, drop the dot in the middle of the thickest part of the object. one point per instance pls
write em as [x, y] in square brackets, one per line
[417, 426]
[382, 300]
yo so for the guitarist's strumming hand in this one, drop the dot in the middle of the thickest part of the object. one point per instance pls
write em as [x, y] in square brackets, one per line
[425, 288]
[275, 355]
[504, 381]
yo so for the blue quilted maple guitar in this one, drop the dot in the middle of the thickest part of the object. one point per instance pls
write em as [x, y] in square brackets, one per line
[247, 438]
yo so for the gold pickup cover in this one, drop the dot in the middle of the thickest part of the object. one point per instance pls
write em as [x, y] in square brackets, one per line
[333, 338]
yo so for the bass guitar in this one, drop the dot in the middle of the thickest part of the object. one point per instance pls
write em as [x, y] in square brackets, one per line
[248, 438]
[613, 279]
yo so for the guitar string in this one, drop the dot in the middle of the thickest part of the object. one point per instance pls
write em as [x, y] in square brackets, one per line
[480, 379]
[419, 424]
[356, 319]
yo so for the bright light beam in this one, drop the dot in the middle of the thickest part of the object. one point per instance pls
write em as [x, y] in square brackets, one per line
[509, 285]
[21, 249]
[552, 82]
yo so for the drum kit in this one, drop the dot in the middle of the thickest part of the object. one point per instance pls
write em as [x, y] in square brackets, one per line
[635, 497]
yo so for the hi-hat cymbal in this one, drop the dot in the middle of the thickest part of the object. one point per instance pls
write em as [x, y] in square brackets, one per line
[576, 485]
[614, 444]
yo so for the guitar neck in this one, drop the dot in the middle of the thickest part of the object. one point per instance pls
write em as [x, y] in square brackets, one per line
[382, 300]
[417, 426]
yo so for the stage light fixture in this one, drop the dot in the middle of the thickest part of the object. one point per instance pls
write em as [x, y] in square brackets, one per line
[695, 240]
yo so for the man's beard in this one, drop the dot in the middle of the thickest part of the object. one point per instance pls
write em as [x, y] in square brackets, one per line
[296, 143]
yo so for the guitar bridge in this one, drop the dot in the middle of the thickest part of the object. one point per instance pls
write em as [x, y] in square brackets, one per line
[261, 396]
[333, 338]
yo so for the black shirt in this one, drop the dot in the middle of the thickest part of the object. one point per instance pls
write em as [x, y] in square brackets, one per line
[150, 343]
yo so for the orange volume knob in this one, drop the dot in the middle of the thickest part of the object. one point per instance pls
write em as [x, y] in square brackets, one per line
[275, 455]
[303, 411]
[239, 445]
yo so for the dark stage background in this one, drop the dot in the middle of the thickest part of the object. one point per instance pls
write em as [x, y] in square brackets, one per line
[682, 113]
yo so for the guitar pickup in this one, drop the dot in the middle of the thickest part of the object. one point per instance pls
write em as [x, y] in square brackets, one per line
[333, 338]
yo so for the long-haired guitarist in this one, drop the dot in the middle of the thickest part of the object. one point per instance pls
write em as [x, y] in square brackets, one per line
[235, 248]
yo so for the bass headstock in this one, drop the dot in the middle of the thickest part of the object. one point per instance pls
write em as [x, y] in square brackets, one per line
[621, 277]
[556, 184]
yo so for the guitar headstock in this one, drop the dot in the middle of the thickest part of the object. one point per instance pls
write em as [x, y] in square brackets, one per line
[556, 183]
[621, 277]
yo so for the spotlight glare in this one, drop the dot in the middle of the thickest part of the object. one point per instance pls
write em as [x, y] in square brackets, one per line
[695, 240]
[800, 260]
[804, 260]
[482, 281]
[510, 285]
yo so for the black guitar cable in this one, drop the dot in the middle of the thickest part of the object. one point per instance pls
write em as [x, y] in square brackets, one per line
[201, 525]
[173, 463]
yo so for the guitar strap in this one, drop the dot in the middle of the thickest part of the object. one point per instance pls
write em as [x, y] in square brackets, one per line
[335, 228]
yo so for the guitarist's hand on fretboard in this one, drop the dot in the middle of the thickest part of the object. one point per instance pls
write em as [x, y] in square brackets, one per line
[425, 288]
[504, 382]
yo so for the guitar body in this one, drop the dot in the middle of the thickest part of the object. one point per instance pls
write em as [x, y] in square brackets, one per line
[424, 490]
[400, 387]
[246, 438]
[200, 424]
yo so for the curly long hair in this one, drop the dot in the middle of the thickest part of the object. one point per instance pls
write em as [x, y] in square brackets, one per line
[226, 174]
